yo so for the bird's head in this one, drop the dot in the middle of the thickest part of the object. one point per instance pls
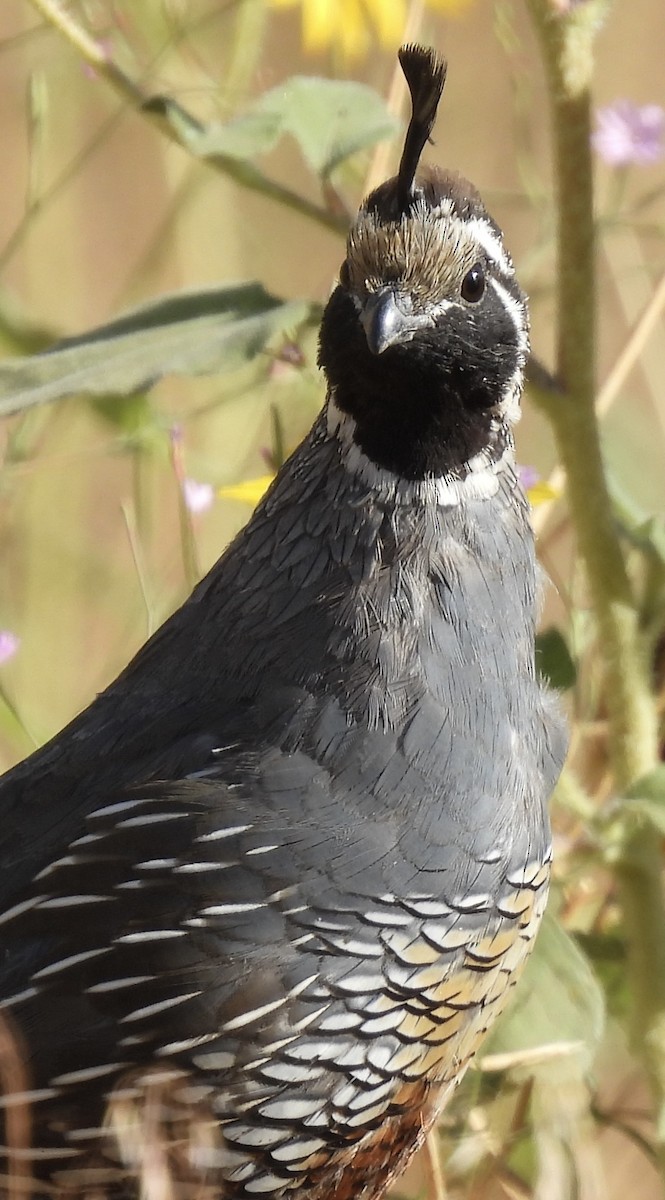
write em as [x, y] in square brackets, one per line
[424, 341]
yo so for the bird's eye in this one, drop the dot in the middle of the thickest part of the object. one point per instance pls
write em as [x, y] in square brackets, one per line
[344, 276]
[473, 284]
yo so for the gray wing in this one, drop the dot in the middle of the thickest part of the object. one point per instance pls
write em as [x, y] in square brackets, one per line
[262, 948]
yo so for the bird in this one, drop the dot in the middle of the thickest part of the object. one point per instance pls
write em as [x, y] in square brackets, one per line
[261, 901]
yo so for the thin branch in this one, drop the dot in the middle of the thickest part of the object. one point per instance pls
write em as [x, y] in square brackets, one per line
[637, 339]
[138, 559]
[14, 1081]
[436, 1184]
[150, 109]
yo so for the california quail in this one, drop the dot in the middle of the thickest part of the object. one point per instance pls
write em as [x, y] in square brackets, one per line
[284, 870]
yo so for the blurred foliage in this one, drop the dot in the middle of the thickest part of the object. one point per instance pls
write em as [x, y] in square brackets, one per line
[192, 333]
[118, 486]
[329, 120]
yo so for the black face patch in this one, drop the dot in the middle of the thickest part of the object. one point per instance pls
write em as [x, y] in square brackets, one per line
[433, 398]
[428, 405]
[430, 251]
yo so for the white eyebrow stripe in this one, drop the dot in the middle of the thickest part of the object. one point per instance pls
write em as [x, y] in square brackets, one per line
[491, 243]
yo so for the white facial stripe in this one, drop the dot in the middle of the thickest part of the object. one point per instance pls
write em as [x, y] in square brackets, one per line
[516, 313]
[512, 391]
[444, 490]
[442, 307]
[491, 243]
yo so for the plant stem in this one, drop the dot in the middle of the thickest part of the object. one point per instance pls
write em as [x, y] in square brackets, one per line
[639, 335]
[568, 42]
[153, 109]
[567, 34]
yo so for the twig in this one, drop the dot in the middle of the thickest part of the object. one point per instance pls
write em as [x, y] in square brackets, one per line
[629, 356]
[136, 550]
[637, 340]
[436, 1185]
[15, 1082]
[190, 561]
[150, 109]
[613, 1121]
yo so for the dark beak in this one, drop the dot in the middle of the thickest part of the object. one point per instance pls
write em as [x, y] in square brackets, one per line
[383, 320]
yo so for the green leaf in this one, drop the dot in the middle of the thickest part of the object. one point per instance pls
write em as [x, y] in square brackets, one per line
[329, 119]
[554, 661]
[134, 419]
[247, 136]
[129, 415]
[557, 1018]
[189, 333]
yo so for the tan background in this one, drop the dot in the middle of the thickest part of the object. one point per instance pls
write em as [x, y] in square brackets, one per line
[133, 216]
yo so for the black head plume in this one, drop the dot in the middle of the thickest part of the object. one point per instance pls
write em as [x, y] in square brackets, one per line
[425, 74]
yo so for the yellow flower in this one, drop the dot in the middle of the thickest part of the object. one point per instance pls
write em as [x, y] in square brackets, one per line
[250, 491]
[540, 493]
[352, 25]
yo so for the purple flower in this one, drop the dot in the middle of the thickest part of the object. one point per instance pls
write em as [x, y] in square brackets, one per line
[528, 477]
[9, 644]
[198, 496]
[629, 133]
[563, 7]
